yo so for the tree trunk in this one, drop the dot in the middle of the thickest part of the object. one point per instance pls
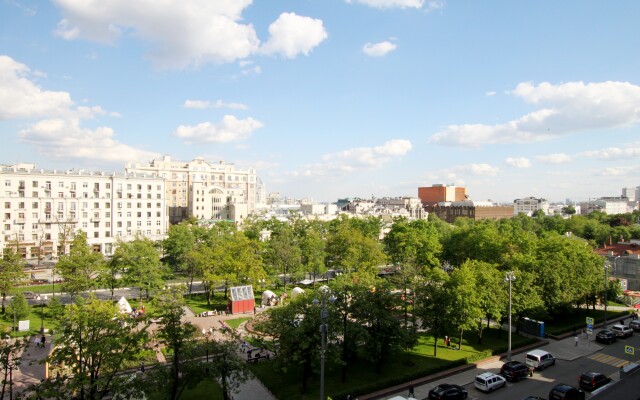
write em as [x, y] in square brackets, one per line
[435, 346]
[460, 340]
[4, 297]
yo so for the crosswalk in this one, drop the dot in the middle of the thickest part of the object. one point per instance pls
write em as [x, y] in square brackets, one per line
[607, 359]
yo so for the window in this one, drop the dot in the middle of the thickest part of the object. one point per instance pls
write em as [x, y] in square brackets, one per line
[85, 225]
[139, 214]
[149, 187]
[119, 224]
[108, 185]
[7, 204]
[7, 183]
[149, 214]
[34, 184]
[85, 185]
[138, 223]
[96, 205]
[107, 224]
[96, 234]
[73, 206]
[60, 194]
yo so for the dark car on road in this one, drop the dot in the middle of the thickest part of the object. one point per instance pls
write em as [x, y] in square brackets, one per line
[534, 398]
[446, 391]
[635, 325]
[565, 392]
[514, 371]
[590, 380]
[606, 336]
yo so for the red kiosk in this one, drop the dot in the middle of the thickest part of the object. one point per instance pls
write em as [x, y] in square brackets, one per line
[242, 300]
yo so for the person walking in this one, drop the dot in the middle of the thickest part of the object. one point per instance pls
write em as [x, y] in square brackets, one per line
[575, 339]
[411, 394]
[142, 369]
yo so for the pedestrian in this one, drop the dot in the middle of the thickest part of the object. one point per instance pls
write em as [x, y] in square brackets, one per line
[411, 391]
[575, 339]
[142, 367]
[43, 340]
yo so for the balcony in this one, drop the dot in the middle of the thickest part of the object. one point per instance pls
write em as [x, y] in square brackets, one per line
[95, 219]
[20, 221]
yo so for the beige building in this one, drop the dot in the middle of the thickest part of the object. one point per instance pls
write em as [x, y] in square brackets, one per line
[240, 189]
[43, 210]
[529, 205]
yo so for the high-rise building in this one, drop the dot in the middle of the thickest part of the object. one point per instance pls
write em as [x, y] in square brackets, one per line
[43, 210]
[239, 188]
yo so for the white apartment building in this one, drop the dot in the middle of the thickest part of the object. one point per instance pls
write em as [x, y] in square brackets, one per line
[182, 176]
[529, 205]
[609, 205]
[210, 203]
[42, 210]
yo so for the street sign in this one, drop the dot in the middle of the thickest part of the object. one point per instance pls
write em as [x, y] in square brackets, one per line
[629, 349]
[590, 321]
[589, 329]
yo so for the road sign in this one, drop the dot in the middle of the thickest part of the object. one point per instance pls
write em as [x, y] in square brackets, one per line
[589, 321]
[589, 329]
[629, 349]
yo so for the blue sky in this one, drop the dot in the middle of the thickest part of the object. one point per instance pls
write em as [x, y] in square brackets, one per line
[332, 98]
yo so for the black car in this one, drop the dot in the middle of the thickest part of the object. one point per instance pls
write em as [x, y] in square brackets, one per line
[448, 392]
[592, 380]
[606, 336]
[635, 325]
[565, 392]
[534, 398]
[514, 371]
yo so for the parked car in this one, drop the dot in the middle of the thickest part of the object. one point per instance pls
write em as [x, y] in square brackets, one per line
[539, 359]
[593, 380]
[489, 381]
[622, 331]
[534, 398]
[514, 371]
[635, 325]
[446, 391]
[606, 336]
[565, 392]
[29, 295]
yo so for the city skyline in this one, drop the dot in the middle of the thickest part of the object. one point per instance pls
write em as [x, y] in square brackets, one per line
[331, 99]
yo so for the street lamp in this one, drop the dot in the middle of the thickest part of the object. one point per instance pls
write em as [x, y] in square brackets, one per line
[324, 291]
[607, 266]
[510, 277]
[43, 300]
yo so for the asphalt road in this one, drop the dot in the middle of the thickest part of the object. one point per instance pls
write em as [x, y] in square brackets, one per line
[607, 361]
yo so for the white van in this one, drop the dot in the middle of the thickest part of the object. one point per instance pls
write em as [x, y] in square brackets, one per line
[539, 359]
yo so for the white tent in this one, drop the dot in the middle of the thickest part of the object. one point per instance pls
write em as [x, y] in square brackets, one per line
[296, 291]
[124, 305]
[269, 298]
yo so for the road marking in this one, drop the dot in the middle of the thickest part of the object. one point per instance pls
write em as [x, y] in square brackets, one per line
[607, 359]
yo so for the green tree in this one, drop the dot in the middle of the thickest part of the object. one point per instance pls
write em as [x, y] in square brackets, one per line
[10, 359]
[18, 308]
[96, 342]
[490, 293]
[226, 366]
[180, 339]
[80, 267]
[432, 303]
[465, 302]
[569, 210]
[141, 264]
[313, 252]
[284, 255]
[11, 274]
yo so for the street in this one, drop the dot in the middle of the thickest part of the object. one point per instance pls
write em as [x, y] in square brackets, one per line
[571, 361]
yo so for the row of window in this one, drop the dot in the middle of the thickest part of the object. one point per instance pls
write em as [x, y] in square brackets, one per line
[85, 185]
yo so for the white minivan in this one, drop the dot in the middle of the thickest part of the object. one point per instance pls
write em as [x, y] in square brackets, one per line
[539, 359]
[622, 331]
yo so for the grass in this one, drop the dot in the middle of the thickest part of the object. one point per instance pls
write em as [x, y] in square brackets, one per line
[401, 367]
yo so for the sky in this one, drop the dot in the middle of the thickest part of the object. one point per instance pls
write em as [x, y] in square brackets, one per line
[329, 99]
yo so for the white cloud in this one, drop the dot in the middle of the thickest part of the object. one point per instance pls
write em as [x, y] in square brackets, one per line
[392, 3]
[613, 153]
[293, 34]
[518, 162]
[20, 97]
[204, 104]
[186, 33]
[477, 169]
[556, 158]
[65, 139]
[357, 158]
[490, 93]
[380, 49]
[231, 129]
[620, 171]
[567, 108]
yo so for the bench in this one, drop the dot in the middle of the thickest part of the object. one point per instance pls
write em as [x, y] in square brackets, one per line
[257, 358]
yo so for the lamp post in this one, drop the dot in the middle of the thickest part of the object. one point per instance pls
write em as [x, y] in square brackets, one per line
[607, 266]
[510, 277]
[43, 300]
[324, 291]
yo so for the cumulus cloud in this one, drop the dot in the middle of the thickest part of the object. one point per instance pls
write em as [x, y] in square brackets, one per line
[490, 93]
[230, 129]
[204, 104]
[21, 97]
[65, 139]
[565, 108]
[357, 158]
[186, 33]
[613, 153]
[620, 171]
[556, 158]
[518, 162]
[293, 34]
[392, 3]
[380, 49]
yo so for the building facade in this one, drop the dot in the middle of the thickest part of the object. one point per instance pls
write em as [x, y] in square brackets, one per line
[438, 193]
[529, 205]
[182, 177]
[43, 210]
[476, 210]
